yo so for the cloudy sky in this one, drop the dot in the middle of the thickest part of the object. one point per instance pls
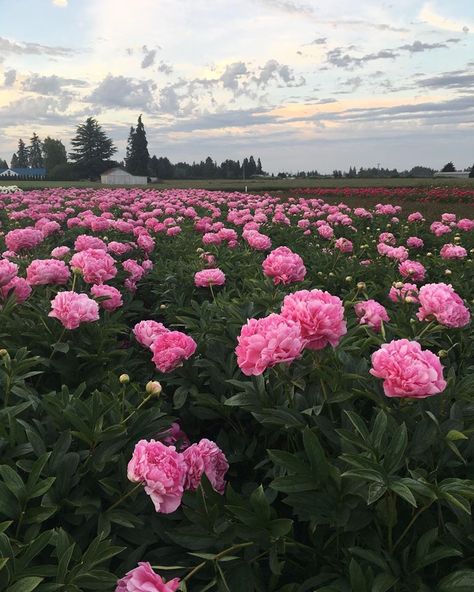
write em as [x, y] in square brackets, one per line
[303, 84]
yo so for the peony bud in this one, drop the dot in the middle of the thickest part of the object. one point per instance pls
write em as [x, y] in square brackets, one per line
[124, 379]
[361, 286]
[3, 353]
[153, 387]
[442, 353]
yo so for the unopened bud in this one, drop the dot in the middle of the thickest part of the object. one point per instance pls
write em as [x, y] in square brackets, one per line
[331, 274]
[447, 272]
[162, 306]
[361, 286]
[199, 250]
[349, 278]
[153, 387]
[410, 299]
[124, 379]
[398, 285]
[76, 270]
[442, 353]
[3, 353]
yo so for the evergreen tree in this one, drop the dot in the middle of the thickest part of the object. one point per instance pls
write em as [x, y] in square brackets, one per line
[3, 164]
[137, 150]
[35, 154]
[245, 168]
[259, 167]
[129, 149]
[471, 174]
[448, 168]
[91, 143]
[252, 167]
[14, 161]
[22, 155]
[54, 153]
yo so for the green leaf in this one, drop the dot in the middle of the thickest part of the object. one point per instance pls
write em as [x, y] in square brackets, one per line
[383, 582]
[402, 490]
[289, 461]
[13, 481]
[315, 454]
[455, 435]
[358, 583]
[25, 585]
[294, 483]
[459, 581]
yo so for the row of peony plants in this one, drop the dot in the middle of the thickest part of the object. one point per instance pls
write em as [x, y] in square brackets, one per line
[312, 353]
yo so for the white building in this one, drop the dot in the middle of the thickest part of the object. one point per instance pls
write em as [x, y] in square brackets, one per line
[454, 174]
[119, 176]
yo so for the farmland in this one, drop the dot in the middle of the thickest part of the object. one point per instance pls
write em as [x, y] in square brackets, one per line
[237, 391]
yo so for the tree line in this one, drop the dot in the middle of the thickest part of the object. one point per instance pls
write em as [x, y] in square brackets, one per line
[92, 153]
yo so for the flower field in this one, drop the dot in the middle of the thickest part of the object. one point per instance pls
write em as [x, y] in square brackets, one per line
[235, 392]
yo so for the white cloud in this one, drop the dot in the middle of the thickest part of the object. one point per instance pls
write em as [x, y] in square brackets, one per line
[62, 3]
[429, 15]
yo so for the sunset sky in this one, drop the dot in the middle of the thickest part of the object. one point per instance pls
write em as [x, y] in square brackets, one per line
[303, 84]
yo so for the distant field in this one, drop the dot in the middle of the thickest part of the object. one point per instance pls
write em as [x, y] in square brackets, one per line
[262, 184]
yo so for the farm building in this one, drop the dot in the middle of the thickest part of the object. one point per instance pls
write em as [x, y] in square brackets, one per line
[23, 173]
[119, 176]
[453, 174]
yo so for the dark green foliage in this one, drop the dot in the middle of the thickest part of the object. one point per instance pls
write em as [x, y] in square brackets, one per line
[35, 152]
[137, 150]
[54, 153]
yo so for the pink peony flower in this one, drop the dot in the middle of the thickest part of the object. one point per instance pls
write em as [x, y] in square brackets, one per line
[465, 224]
[344, 245]
[371, 313]
[413, 242]
[19, 287]
[147, 331]
[263, 343]
[144, 579]
[441, 302]
[407, 370]
[60, 252]
[400, 292]
[449, 251]
[319, 314]
[170, 349]
[205, 458]
[284, 266]
[112, 295]
[96, 265]
[41, 272]
[209, 277]
[162, 470]
[413, 270]
[325, 231]
[85, 241]
[72, 309]
[387, 238]
[257, 241]
[23, 238]
[8, 271]
[175, 435]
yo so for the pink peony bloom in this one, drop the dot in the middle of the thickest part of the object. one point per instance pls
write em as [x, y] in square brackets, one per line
[403, 292]
[72, 309]
[209, 277]
[416, 217]
[387, 238]
[407, 370]
[147, 331]
[257, 240]
[60, 252]
[144, 579]
[23, 238]
[162, 470]
[85, 241]
[412, 270]
[205, 458]
[465, 224]
[325, 231]
[18, 287]
[96, 265]
[441, 302]
[344, 245]
[263, 343]
[371, 313]
[112, 295]
[8, 271]
[41, 272]
[284, 266]
[170, 349]
[449, 251]
[175, 435]
[413, 242]
[320, 316]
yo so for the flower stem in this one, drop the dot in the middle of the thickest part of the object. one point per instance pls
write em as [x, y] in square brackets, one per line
[124, 497]
[216, 558]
